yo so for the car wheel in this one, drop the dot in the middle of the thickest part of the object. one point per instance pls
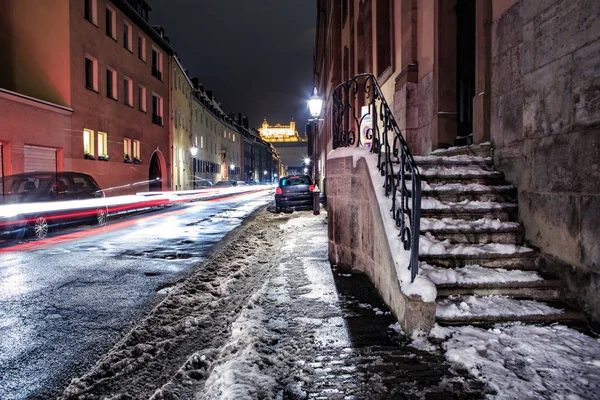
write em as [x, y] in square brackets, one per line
[277, 210]
[101, 217]
[40, 227]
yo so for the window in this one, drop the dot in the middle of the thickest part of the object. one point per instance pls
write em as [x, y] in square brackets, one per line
[128, 91]
[91, 73]
[90, 11]
[142, 47]
[111, 23]
[111, 83]
[127, 36]
[88, 142]
[127, 149]
[142, 98]
[102, 144]
[234, 138]
[136, 149]
[156, 63]
[157, 109]
[384, 35]
[201, 142]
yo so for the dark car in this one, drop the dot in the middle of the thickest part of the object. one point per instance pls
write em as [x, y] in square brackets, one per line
[47, 189]
[294, 192]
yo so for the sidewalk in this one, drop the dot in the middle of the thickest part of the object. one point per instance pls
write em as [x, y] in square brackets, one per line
[269, 318]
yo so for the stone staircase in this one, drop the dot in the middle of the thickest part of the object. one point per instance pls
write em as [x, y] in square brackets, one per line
[472, 245]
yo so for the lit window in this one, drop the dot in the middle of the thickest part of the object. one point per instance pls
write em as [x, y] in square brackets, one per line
[201, 142]
[128, 91]
[136, 149]
[127, 149]
[234, 138]
[88, 142]
[142, 98]
[157, 63]
[111, 23]
[91, 73]
[142, 47]
[111, 83]
[157, 109]
[102, 144]
[127, 36]
[90, 11]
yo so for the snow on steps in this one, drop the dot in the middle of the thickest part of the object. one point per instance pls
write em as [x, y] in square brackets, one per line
[470, 248]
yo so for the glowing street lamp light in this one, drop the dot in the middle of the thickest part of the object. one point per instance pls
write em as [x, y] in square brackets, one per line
[305, 170]
[307, 161]
[315, 104]
[194, 150]
[232, 166]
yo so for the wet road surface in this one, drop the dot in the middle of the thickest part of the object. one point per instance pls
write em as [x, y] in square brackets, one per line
[64, 303]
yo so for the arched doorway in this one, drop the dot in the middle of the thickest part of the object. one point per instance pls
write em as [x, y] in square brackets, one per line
[155, 174]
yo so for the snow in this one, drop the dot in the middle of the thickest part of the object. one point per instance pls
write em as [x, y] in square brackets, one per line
[428, 224]
[475, 274]
[452, 159]
[526, 362]
[469, 306]
[431, 203]
[422, 286]
[456, 170]
[455, 148]
[430, 245]
[459, 187]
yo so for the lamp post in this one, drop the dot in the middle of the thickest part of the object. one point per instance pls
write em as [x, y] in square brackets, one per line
[232, 168]
[315, 107]
[265, 174]
[194, 151]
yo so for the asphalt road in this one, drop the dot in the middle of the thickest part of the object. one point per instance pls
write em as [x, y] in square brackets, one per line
[67, 300]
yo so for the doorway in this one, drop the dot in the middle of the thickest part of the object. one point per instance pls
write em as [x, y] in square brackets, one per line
[465, 69]
[155, 174]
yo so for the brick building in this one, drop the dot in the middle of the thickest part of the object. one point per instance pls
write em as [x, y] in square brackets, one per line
[521, 74]
[102, 63]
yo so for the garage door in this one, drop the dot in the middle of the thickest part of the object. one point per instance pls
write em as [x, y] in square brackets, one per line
[39, 159]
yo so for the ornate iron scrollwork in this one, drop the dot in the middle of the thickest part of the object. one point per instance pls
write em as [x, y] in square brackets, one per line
[359, 104]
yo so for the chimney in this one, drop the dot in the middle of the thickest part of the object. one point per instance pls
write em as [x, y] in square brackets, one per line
[245, 122]
[239, 118]
[195, 82]
[209, 94]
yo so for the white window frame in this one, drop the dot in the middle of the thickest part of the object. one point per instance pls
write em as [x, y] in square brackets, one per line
[102, 144]
[94, 72]
[93, 10]
[128, 97]
[88, 141]
[142, 48]
[114, 84]
[113, 33]
[129, 40]
[159, 59]
[126, 147]
[136, 149]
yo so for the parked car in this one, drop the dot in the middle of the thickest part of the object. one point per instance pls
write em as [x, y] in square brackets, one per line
[47, 187]
[241, 183]
[224, 184]
[294, 192]
[201, 183]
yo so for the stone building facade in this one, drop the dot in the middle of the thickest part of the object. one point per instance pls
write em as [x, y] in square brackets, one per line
[522, 74]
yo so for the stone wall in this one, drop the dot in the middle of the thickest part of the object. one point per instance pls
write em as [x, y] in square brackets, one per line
[357, 240]
[545, 127]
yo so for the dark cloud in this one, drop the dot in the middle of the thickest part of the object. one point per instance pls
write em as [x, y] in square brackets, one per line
[255, 55]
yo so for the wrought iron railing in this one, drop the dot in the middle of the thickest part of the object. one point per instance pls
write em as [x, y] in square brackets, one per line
[362, 117]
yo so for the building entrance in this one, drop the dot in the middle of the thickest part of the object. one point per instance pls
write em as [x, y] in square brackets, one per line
[154, 173]
[465, 68]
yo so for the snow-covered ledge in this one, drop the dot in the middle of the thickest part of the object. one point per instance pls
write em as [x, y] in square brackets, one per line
[363, 236]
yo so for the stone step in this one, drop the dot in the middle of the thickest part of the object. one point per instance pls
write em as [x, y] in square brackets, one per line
[542, 290]
[475, 150]
[493, 178]
[425, 162]
[567, 318]
[506, 212]
[526, 260]
[499, 194]
[479, 236]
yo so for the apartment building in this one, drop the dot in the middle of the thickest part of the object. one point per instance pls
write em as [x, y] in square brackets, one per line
[181, 133]
[102, 60]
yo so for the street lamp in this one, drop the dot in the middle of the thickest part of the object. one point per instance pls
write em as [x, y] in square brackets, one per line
[315, 107]
[315, 104]
[232, 168]
[307, 161]
[194, 151]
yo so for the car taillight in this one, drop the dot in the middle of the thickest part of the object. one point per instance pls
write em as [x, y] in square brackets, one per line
[278, 191]
[311, 188]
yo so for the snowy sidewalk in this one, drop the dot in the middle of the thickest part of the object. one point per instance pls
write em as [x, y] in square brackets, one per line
[269, 318]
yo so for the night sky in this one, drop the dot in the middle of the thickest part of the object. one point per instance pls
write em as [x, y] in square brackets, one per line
[255, 55]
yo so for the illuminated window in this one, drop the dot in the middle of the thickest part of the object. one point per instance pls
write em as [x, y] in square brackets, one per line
[111, 83]
[142, 47]
[201, 142]
[102, 144]
[111, 23]
[234, 138]
[91, 73]
[127, 36]
[128, 91]
[136, 149]
[88, 142]
[142, 98]
[127, 149]
[90, 11]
